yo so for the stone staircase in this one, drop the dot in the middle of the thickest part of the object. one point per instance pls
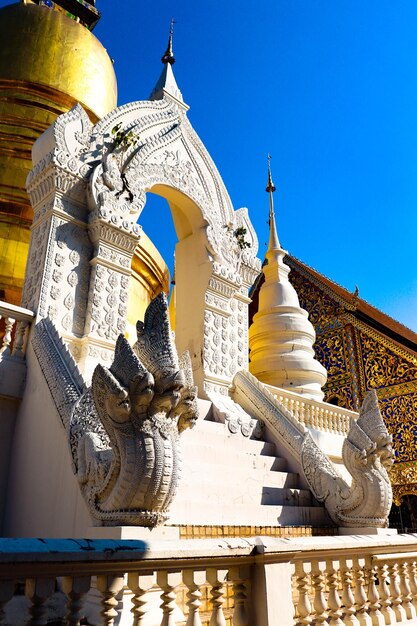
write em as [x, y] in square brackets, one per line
[230, 480]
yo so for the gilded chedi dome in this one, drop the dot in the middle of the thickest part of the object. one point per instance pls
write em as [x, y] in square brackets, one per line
[48, 62]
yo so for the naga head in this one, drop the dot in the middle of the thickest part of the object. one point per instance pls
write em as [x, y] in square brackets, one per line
[110, 398]
[371, 422]
[368, 440]
[155, 348]
[148, 381]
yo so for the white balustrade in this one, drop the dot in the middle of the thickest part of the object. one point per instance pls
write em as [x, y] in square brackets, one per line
[16, 321]
[320, 416]
[337, 581]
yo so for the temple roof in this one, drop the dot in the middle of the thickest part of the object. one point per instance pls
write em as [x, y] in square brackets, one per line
[360, 308]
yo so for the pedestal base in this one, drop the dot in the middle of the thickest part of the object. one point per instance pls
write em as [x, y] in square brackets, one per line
[161, 533]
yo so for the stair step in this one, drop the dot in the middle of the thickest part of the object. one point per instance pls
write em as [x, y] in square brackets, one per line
[247, 515]
[197, 452]
[219, 477]
[230, 480]
[218, 435]
[251, 493]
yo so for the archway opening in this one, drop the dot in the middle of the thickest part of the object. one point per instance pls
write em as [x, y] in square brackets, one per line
[175, 229]
[404, 517]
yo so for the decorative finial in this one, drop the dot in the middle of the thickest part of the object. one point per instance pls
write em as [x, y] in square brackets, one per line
[169, 55]
[273, 244]
[270, 188]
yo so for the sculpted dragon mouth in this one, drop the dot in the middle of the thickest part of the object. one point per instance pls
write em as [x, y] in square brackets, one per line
[126, 451]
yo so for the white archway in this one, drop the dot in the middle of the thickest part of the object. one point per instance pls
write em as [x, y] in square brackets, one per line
[94, 179]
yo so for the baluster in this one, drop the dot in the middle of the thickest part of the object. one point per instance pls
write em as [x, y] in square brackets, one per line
[373, 597]
[385, 595]
[297, 410]
[6, 594]
[216, 579]
[348, 600]
[302, 411]
[320, 418]
[168, 581]
[360, 596]
[313, 417]
[20, 339]
[406, 590]
[38, 590]
[331, 421]
[307, 415]
[194, 579]
[326, 420]
[413, 582]
[339, 423]
[318, 580]
[140, 584]
[333, 600]
[75, 589]
[7, 339]
[109, 587]
[303, 608]
[395, 592]
[240, 576]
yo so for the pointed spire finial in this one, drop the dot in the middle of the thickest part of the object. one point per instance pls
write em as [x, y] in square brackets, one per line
[273, 244]
[168, 56]
[270, 186]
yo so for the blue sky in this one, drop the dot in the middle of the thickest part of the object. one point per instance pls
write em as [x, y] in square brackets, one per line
[329, 88]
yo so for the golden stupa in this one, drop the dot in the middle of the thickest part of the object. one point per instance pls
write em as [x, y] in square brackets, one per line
[49, 60]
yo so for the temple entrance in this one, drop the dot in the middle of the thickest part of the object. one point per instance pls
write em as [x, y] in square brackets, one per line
[404, 517]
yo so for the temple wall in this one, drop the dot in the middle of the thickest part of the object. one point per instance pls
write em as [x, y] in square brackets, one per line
[44, 498]
[8, 410]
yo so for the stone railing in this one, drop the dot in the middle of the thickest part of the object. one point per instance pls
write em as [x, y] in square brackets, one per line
[318, 415]
[356, 585]
[16, 329]
[252, 582]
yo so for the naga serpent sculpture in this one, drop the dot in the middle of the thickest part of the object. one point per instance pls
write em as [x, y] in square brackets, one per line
[367, 454]
[124, 430]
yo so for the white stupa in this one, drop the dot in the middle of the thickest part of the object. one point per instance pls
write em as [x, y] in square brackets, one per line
[281, 337]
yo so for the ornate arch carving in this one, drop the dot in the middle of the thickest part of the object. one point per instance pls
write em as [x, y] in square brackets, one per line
[136, 148]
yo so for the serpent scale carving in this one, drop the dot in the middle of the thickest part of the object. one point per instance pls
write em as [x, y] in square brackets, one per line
[124, 430]
[367, 454]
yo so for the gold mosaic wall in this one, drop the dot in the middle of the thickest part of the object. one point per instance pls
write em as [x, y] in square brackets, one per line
[357, 359]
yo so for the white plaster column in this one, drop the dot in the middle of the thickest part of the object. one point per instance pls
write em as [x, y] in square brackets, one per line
[57, 272]
[106, 309]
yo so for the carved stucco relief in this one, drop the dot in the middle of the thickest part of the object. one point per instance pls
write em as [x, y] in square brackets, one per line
[98, 186]
[123, 431]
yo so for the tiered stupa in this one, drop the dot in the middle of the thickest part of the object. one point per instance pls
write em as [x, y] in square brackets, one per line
[281, 337]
